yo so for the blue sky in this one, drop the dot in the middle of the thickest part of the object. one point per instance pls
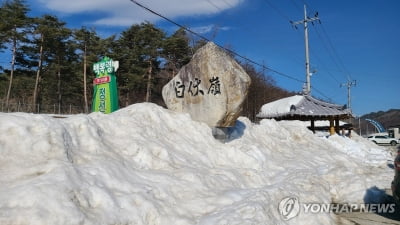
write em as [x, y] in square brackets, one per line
[356, 40]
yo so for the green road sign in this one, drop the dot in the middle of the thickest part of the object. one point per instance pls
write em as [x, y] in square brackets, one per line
[105, 98]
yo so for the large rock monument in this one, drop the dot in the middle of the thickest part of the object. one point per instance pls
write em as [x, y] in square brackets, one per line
[211, 88]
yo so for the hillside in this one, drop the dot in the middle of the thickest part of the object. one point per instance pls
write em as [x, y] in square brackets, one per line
[387, 119]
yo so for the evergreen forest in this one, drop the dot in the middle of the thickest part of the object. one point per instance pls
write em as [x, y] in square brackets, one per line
[50, 66]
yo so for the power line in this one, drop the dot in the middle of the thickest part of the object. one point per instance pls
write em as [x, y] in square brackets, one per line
[226, 49]
[206, 39]
[335, 52]
[319, 59]
[288, 19]
[311, 49]
[239, 22]
[297, 6]
[258, 64]
[228, 4]
[306, 4]
[322, 94]
[329, 47]
[277, 10]
[213, 4]
[284, 16]
[215, 28]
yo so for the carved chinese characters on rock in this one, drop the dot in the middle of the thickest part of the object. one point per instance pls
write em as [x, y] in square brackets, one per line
[194, 87]
[215, 86]
[211, 88]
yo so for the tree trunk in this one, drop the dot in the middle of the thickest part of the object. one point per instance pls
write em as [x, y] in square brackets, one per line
[84, 80]
[14, 52]
[59, 86]
[255, 108]
[35, 91]
[148, 92]
[127, 98]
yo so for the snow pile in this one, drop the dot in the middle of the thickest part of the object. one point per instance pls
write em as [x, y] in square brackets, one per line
[357, 147]
[360, 148]
[147, 165]
[281, 106]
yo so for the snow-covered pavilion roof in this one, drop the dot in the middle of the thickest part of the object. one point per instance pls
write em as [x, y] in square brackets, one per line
[303, 107]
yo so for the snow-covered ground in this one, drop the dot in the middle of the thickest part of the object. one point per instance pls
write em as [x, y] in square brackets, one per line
[146, 165]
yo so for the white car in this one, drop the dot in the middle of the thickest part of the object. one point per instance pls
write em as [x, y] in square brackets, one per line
[383, 139]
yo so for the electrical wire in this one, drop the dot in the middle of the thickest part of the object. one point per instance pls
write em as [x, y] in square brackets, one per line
[325, 46]
[217, 7]
[206, 39]
[322, 63]
[277, 10]
[285, 17]
[297, 6]
[216, 26]
[335, 53]
[247, 28]
[329, 51]
[330, 47]
[288, 19]
[322, 94]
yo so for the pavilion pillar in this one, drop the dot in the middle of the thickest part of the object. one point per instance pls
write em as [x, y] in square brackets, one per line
[331, 126]
[313, 126]
[337, 125]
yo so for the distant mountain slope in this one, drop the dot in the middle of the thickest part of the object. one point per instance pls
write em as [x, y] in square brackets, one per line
[387, 119]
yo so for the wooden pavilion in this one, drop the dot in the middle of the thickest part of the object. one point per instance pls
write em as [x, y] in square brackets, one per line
[306, 108]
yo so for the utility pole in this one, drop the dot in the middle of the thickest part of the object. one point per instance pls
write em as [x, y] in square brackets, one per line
[305, 21]
[349, 84]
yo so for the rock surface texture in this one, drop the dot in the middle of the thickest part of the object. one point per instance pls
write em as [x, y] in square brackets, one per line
[211, 88]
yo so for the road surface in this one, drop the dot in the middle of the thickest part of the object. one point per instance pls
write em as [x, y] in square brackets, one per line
[369, 218]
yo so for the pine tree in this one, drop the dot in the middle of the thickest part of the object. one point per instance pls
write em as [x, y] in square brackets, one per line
[151, 45]
[62, 55]
[176, 51]
[89, 44]
[13, 31]
[138, 50]
[51, 50]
